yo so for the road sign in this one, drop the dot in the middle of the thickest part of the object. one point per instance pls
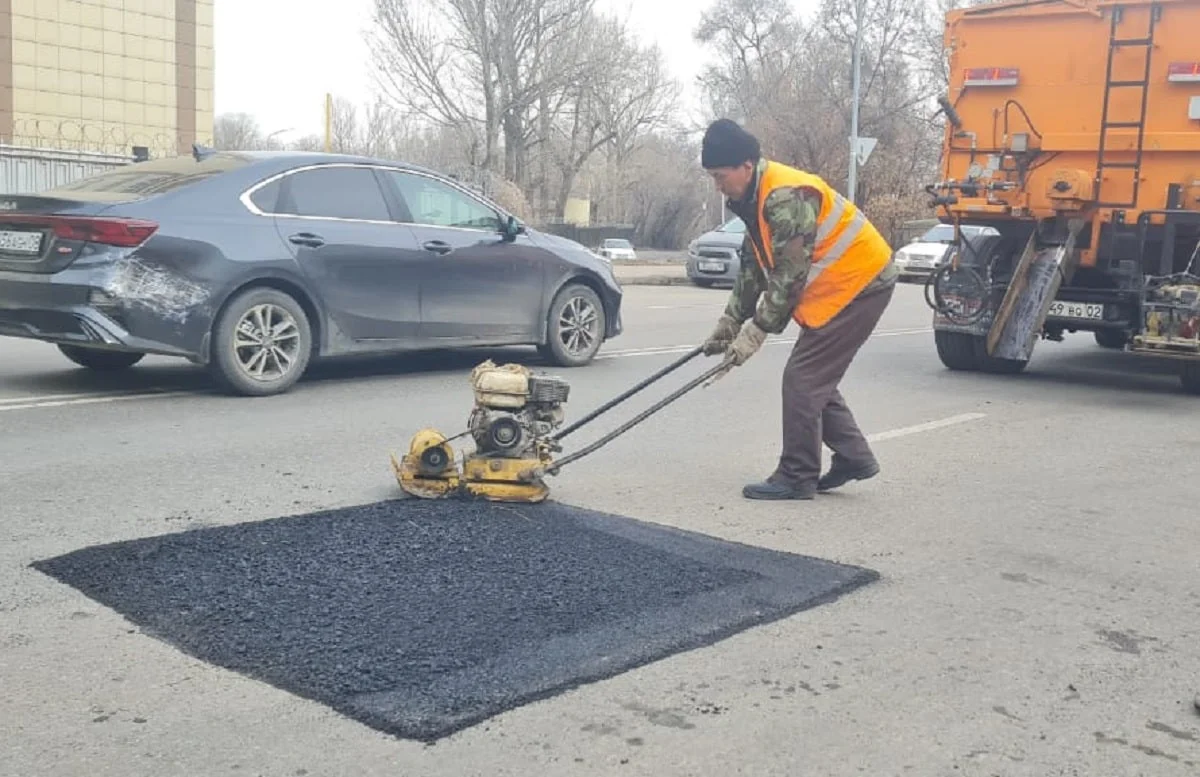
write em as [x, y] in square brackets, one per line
[865, 147]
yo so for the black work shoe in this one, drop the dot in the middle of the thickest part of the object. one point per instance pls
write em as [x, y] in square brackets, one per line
[842, 472]
[769, 490]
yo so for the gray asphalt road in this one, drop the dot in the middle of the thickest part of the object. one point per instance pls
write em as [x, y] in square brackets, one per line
[1038, 613]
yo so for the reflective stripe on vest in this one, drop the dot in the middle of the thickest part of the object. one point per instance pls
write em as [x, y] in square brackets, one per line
[829, 255]
[848, 251]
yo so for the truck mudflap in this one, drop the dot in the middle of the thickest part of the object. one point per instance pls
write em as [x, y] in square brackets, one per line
[1039, 274]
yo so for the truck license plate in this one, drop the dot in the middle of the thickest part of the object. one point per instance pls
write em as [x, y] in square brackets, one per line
[20, 242]
[1085, 310]
[712, 267]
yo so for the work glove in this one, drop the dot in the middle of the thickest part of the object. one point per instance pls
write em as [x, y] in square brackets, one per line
[745, 345]
[722, 336]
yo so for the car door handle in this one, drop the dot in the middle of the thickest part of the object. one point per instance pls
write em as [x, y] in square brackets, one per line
[307, 239]
[437, 246]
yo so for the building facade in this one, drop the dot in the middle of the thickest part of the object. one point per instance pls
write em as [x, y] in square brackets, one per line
[106, 76]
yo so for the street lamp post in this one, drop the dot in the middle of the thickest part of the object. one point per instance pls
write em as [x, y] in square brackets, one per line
[852, 183]
[267, 140]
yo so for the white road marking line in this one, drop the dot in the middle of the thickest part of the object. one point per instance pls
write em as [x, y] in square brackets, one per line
[64, 400]
[60, 397]
[925, 427]
[669, 349]
[96, 400]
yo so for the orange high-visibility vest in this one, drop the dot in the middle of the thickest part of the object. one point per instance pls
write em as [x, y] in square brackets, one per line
[849, 252]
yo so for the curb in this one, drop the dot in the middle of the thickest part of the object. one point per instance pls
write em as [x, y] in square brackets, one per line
[655, 280]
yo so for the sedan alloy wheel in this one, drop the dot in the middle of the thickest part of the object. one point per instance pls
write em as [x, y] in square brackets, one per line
[262, 342]
[577, 324]
[576, 327]
[267, 342]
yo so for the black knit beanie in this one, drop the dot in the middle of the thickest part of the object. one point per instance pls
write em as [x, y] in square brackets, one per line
[726, 144]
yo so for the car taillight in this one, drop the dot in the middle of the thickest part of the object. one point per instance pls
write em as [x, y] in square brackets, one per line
[1184, 71]
[991, 76]
[122, 233]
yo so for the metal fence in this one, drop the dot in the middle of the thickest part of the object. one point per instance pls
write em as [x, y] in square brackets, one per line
[590, 236]
[27, 170]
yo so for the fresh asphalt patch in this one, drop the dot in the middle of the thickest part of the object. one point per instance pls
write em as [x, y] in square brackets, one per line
[421, 618]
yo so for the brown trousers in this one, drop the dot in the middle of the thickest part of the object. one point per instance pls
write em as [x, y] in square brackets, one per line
[814, 411]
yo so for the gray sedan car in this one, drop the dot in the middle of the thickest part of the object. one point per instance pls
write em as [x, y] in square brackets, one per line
[255, 264]
[713, 257]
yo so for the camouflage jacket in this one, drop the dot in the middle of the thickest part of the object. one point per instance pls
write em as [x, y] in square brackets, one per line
[792, 216]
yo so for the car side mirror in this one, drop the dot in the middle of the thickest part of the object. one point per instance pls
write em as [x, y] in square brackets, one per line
[512, 228]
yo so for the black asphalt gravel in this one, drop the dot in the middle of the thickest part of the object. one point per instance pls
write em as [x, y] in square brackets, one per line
[421, 618]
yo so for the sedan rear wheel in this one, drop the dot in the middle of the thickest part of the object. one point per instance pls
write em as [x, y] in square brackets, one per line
[575, 328]
[262, 343]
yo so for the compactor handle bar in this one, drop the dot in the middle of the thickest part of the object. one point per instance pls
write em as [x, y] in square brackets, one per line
[610, 404]
[555, 466]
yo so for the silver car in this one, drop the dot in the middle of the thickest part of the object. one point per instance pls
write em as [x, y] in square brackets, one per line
[713, 257]
[616, 248]
[921, 257]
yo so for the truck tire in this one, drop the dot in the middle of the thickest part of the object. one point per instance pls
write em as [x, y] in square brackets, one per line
[1111, 338]
[575, 326]
[956, 350]
[240, 364]
[1189, 378]
[994, 365]
[965, 352]
[99, 360]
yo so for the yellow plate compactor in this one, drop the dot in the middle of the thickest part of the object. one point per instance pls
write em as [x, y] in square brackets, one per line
[515, 426]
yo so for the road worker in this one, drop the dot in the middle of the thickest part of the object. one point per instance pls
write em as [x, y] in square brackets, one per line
[810, 256]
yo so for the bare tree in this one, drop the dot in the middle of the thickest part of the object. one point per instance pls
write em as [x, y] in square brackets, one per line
[667, 191]
[344, 129]
[308, 143]
[792, 83]
[756, 42]
[237, 132]
[624, 94]
[479, 67]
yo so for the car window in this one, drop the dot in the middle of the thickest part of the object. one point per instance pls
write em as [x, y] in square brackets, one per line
[334, 192]
[134, 181]
[266, 198]
[942, 233]
[435, 203]
[733, 225]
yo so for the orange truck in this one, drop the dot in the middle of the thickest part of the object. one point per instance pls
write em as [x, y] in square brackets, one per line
[1073, 131]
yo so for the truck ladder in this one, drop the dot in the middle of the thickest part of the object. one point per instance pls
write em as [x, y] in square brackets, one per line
[1103, 162]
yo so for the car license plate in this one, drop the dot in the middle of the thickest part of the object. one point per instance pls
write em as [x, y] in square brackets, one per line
[20, 242]
[1086, 310]
[712, 266]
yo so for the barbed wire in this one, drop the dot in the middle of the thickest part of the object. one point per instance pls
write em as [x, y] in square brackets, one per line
[69, 135]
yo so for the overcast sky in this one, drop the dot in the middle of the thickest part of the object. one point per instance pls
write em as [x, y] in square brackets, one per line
[276, 59]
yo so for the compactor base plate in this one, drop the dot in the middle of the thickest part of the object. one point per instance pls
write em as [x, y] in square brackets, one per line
[428, 471]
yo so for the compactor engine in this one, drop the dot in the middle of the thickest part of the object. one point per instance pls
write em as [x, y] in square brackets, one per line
[515, 410]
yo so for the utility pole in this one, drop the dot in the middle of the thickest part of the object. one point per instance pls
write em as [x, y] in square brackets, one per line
[328, 123]
[852, 183]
